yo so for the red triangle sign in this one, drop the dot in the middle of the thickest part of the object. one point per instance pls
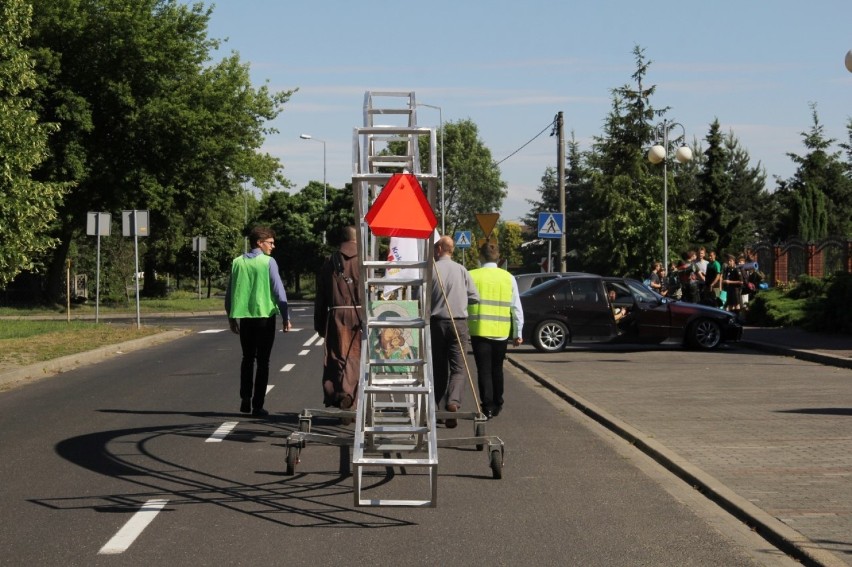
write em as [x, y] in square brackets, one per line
[402, 210]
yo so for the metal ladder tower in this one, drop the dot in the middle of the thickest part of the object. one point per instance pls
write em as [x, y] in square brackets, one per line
[395, 418]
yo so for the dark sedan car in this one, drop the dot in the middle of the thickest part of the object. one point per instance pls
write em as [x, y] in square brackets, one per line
[582, 308]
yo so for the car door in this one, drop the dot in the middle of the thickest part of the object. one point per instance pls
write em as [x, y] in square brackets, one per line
[653, 319]
[590, 317]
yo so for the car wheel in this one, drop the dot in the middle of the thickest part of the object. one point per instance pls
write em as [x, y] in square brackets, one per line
[705, 334]
[550, 336]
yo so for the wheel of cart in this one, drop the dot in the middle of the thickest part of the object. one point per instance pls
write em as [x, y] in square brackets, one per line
[292, 459]
[496, 460]
[479, 430]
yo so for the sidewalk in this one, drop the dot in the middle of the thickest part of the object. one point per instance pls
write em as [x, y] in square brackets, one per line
[776, 455]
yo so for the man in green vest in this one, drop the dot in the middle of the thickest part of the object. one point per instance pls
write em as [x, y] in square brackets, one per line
[495, 320]
[254, 297]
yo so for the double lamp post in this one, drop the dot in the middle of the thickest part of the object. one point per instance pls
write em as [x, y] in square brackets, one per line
[660, 153]
[324, 184]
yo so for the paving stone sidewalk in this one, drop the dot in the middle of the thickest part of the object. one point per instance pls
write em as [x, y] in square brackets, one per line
[778, 455]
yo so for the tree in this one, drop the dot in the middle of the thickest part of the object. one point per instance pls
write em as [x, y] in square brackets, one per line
[818, 197]
[27, 207]
[624, 213]
[146, 121]
[715, 220]
[472, 182]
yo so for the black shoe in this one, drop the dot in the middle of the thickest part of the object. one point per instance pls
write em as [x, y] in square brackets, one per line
[488, 413]
[496, 411]
[259, 412]
[452, 423]
[245, 407]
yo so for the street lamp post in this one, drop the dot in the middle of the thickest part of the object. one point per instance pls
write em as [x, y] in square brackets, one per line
[441, 120]
[324, 184]
[659, 153]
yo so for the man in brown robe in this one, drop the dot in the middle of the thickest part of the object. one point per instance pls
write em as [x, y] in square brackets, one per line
[337, 318]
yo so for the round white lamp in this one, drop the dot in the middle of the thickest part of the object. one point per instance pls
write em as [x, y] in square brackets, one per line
[849, 60]
[656, 154]
[683, 154]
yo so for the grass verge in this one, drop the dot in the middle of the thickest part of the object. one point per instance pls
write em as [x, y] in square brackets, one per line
[25, 342]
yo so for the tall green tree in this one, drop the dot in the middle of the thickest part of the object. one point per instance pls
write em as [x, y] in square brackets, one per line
[147, 121]
[818, 197]
[472, 182]
[625, 209]
[27, 206]
[715, 221]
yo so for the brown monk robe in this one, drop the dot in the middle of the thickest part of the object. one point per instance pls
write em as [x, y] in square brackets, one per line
[337, 318]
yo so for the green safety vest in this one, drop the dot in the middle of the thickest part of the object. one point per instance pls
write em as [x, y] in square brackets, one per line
[492, 316]
[251, 290]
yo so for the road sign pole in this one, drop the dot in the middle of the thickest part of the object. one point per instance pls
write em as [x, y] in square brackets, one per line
[136, 273]
[98, 270]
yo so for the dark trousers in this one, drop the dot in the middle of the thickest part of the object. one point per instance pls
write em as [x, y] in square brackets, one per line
[256, 339]
[448, 352]
[489, 355]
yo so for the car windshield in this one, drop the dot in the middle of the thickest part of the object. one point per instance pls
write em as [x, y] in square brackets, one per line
[642, 293]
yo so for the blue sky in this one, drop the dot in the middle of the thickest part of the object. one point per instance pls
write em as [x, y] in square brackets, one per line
[511, 66]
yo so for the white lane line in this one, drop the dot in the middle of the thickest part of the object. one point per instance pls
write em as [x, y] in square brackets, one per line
[133, 528]
[269, 387]
[320, 342]
[222, 432]
[304, 352]
[288, 367]
[212, 331]
[312, 339]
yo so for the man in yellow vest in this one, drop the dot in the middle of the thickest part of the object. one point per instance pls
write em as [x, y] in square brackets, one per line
[254, 297]
[495, 320]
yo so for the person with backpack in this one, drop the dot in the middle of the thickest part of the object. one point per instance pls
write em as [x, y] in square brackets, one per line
[337, 319]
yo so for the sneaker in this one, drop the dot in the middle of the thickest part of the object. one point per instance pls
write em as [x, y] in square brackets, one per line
[259, 412]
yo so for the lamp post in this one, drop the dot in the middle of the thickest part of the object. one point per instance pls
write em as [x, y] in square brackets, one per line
[324, 184]
[441, 120]
[659, 153]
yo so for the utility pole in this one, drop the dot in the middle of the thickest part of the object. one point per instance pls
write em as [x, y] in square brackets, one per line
[560, 160]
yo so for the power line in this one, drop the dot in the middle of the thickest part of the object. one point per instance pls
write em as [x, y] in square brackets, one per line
[528, 143]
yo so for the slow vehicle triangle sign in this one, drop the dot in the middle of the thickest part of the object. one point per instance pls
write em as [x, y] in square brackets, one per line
[401, 209]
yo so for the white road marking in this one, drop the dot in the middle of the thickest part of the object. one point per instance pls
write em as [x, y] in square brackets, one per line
[304, 352]
[312, 339]
[212, 331]
[133, 528]
[222, 432]
[320, 342]
[288, 367]
[269, 387]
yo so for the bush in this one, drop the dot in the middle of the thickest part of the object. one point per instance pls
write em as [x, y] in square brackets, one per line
[836, 313]
[807, 286]
[814, 304]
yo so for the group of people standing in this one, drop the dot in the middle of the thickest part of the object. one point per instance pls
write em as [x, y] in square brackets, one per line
[480, 308]
[699, 277]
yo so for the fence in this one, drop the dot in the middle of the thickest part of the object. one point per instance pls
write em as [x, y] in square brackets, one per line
[786, 261]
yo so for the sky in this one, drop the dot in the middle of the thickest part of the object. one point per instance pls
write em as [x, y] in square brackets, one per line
[511, 66]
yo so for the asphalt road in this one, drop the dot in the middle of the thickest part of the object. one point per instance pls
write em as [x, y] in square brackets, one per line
[119, 463]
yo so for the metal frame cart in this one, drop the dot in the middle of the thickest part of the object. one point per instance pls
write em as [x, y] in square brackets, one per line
[395, 420]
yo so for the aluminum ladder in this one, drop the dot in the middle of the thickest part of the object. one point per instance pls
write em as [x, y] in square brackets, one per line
[395, 418]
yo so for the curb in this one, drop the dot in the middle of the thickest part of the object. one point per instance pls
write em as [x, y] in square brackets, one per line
[44, 369]
[767, 526]
[801, 354]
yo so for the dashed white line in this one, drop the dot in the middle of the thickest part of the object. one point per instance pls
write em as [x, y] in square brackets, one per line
[222, 432]
[133, 528]
[312, 340]
[304, 352]
[212, 331]
[269, 387]
[288, 367]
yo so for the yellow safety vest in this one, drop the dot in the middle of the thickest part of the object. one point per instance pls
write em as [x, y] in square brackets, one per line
[492, 316]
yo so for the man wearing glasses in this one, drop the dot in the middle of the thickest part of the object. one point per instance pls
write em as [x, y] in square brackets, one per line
[254, 297]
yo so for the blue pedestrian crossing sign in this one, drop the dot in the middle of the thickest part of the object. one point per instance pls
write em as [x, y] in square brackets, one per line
[551, 225]
[462, 239]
